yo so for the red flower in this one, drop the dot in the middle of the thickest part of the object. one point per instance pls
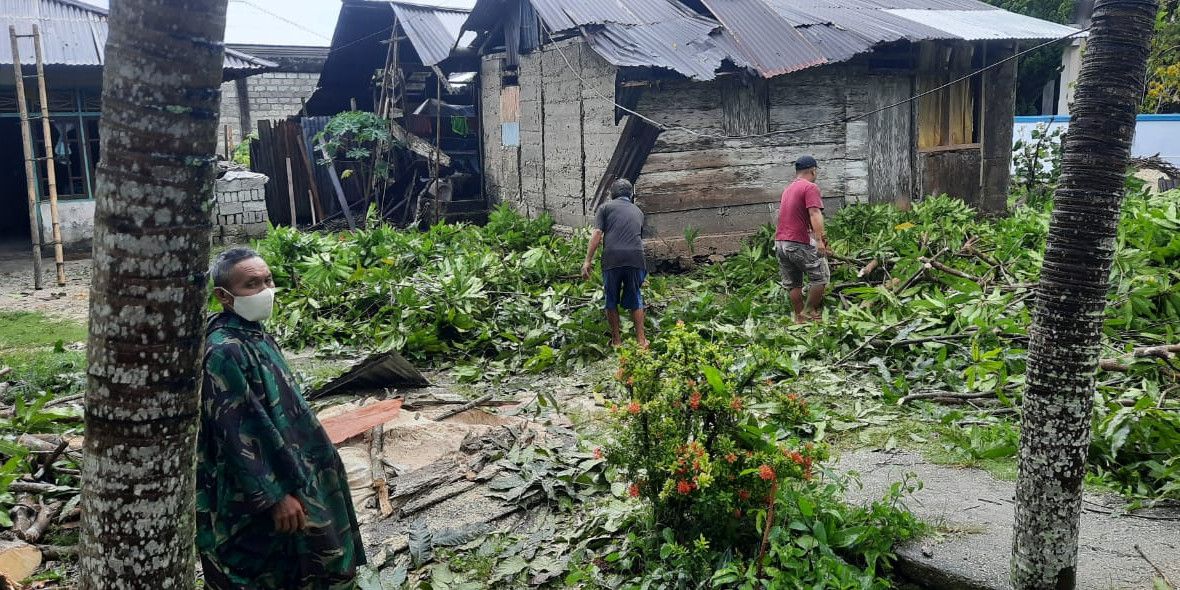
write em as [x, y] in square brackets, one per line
[696, 464]
[614, 408]
[765, 472]
[736, 403]
[683, 487]
[737, 512]
[634, 407]
[797, 458]
[731, 457]
[598, 453]
[633, 491]
[792, 397]
[630, 381]
[744, 494]
[619, 374]
[695, 400]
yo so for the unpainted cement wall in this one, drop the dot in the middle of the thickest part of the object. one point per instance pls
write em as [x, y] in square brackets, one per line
[239, 212]
[271, 96]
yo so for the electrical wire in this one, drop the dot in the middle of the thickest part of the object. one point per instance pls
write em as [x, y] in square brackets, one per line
[282, 18]
[840, 121]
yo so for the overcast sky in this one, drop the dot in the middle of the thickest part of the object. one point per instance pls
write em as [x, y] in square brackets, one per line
[289, 22]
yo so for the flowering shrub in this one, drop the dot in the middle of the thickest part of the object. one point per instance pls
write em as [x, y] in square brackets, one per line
[689, 436]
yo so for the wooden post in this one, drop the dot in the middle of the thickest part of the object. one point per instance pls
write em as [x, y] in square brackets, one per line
[228, 153]
[437, 144]
[51, 169]
[30, 159]
[301, 145]
[291, 191]
[311, 207]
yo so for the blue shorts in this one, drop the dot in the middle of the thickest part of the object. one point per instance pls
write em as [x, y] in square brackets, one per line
[622, 285]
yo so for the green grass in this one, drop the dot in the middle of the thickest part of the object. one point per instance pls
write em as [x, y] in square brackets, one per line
[29, 345]
[23, 330]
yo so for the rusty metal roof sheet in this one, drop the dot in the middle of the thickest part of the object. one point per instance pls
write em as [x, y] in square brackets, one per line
[433, 31]
[771, 36]
[75, 34]
[780, 36]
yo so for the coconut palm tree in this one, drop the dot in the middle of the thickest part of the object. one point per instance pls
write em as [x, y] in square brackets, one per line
[1071, 299]
[151, 251]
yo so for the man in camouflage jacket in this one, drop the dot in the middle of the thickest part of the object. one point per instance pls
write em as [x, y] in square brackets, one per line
[273, 504]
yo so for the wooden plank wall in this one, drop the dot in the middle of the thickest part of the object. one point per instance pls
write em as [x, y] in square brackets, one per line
[734, 185]
[891, 151]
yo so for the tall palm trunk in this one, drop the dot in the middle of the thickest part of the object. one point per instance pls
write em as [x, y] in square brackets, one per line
[151, 251]
[1071, 300]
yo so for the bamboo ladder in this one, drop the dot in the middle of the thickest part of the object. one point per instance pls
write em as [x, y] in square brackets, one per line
[31, 159]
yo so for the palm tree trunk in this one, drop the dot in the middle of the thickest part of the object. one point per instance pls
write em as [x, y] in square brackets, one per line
[1071, 301]
[151, 252]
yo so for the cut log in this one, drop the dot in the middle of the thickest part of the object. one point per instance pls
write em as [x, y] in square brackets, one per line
[18, 560]
[418, 145]
[349, 424]
[463, 408]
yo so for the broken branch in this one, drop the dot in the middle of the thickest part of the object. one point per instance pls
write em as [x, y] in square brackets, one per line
[31, 487]
[379, 476]
[41, 523]
[947, 269]
[945, 396]
[462, 408]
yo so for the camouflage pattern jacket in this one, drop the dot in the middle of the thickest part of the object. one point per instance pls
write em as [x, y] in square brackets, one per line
[258, 442]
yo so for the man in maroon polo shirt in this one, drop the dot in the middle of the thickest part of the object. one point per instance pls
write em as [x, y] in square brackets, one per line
[800, 242]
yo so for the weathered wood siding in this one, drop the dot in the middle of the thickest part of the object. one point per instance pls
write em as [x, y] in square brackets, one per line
[567, 131]
[725, 185]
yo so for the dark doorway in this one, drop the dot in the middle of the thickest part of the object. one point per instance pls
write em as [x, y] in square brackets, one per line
[14, 199]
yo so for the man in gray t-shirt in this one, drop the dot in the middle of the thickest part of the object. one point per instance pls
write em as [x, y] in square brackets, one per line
[620, 224]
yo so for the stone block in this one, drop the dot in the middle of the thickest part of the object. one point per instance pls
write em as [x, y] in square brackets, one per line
[231, 208]
[254, 206]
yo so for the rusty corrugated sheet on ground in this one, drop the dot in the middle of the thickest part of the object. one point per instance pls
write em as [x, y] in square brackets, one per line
[75, 34]
[432, 31]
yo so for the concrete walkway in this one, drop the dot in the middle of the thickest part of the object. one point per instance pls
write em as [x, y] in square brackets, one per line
[977, 509]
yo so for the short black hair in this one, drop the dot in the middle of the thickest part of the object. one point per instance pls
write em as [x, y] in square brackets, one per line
[621, 188]
[225, 262]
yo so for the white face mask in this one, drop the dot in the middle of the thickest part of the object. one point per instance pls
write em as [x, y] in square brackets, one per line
[256, 307]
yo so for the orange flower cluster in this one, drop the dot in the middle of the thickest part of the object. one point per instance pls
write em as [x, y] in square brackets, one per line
[695, 401]
[598, 453]
[634, 407]
[731, 457]
[736, 403]
[633, 491]
[765, 472]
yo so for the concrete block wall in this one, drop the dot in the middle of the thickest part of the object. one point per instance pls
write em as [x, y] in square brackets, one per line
[271, 96]
[239, 211]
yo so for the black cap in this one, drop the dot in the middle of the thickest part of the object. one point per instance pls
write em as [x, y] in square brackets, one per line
[805, 163]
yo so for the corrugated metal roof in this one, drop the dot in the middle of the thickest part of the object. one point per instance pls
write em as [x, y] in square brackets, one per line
[771, 36]
[833, 31]
[984, 24]
[74, 34]
[433, 31]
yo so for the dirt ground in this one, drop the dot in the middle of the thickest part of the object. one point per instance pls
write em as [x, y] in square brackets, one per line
[16, 285]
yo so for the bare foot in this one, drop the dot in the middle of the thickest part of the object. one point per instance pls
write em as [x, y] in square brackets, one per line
[616, 343]
[801, 319]
[643, 344]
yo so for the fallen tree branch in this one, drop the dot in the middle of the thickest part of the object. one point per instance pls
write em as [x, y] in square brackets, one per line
[47, 465]
[462, 408]
[945, 396]
[41, 523]
[376, 449]
[5, 371]
[948, 270]
[65, 400]
[22, 514]
[1155, 567]
[869, 268]
[31, 487]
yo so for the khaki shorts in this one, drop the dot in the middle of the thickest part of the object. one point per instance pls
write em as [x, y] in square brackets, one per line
[795, 260]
